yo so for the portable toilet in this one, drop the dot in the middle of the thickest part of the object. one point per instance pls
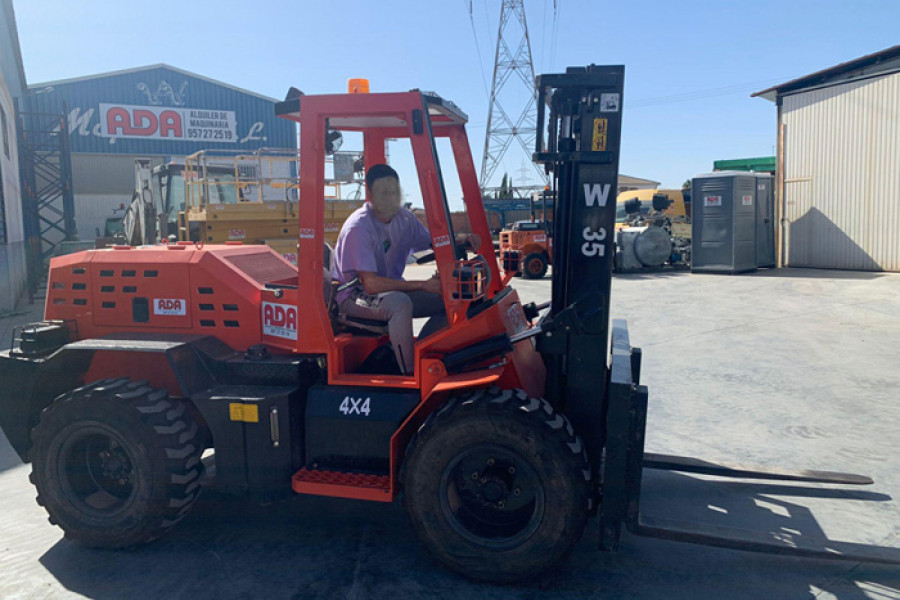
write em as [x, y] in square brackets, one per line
[724, 222]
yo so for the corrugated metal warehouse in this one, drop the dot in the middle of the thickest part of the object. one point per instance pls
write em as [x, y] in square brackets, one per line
[157, 112]
[839, 165]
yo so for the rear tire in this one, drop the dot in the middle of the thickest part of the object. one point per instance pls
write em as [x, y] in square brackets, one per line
[116, 463]
[534, 266]
[497, 485]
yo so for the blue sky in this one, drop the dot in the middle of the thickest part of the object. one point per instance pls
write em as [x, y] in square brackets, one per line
[690, 65]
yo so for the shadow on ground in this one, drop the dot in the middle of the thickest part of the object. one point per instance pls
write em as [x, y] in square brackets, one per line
[8, 456]
[802, 273]
[652, 273]
[309, 547]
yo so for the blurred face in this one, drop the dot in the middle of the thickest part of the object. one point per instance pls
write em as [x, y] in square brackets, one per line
[385, 197]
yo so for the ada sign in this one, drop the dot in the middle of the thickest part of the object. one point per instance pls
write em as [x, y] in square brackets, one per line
[162, 123]
[170, 307]
[279, 320]
[712, 200]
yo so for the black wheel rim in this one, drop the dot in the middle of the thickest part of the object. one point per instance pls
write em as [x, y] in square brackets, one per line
[492, 497]
[96, 471]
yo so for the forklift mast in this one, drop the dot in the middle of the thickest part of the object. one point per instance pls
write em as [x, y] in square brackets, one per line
[578, 144]
[593, 374]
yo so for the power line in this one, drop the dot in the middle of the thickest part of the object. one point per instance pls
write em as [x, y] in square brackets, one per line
[555, 32]
[544, 37]
[701, 94]
[478, 51]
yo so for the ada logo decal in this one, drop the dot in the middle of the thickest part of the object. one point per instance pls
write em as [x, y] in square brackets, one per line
[279, 320]
[170, 307]
[515, 319]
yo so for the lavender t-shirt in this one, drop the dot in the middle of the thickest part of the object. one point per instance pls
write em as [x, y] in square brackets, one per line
[367, 244]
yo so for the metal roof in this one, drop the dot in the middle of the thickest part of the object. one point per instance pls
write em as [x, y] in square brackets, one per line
[149, 68]
[629, 180]
[876, 59]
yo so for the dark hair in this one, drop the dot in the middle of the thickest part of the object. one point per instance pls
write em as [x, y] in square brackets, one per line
[379, 171]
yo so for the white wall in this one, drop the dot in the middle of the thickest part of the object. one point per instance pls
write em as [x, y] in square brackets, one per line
[92, 210]
[13, 274]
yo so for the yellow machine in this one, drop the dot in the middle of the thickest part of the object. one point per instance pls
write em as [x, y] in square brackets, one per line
[653, 230]
[251, 198]
[676, 212]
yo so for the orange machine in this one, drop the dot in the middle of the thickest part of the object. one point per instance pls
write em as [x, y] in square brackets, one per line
[526, 248]
[148, 356]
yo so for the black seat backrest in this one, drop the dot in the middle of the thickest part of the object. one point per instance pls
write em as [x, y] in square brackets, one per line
[341, 321]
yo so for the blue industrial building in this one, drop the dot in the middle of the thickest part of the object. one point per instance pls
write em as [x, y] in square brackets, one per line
[157, 112]
[160, 111]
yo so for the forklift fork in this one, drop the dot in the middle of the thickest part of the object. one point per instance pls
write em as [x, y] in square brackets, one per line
[625, 461]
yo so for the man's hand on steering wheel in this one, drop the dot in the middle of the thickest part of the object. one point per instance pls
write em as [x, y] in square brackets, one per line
[432, 285]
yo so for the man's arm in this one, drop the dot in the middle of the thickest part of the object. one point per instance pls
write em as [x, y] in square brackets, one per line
[373, 283]
[421, 239]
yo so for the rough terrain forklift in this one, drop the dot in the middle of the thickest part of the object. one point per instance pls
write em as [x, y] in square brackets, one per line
[526, 247]
[519, 423]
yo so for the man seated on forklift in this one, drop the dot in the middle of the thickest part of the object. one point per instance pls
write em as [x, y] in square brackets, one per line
[369, 260]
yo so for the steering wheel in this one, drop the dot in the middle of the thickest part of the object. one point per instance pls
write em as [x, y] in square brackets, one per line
[423, 257]
[487, 271]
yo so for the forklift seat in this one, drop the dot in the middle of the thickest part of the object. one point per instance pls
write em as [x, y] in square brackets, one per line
[345, 323]
[342, 322]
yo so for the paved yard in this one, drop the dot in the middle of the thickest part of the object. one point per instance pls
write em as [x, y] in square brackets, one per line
[794, 368]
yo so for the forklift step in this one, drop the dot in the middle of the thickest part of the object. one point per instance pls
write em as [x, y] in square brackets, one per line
[339, 484]
[687, 464]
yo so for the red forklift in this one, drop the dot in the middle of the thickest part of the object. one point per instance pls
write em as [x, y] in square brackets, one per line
[518, 424]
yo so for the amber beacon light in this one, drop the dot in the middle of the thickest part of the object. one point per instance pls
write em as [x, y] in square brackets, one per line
[357, 86]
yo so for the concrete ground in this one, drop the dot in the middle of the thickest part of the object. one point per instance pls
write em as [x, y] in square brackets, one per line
[793, 368]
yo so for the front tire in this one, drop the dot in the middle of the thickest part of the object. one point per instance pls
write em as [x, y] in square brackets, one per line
[497, 485]
[116, 463]
[534, 266]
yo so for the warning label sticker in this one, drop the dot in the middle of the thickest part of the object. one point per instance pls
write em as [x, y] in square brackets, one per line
[598, 142]
[712, 200]
[609, 102]
[747, 200]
